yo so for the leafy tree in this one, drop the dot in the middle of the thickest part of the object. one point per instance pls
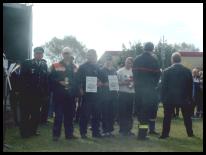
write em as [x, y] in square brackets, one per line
[54, 47]
[186, 47]
[134, 50]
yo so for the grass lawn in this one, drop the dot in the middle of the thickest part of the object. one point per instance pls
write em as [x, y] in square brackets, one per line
[177, 142]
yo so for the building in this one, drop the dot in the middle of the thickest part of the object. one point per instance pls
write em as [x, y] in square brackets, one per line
[115, 57]
[192, 59]
[189, 59]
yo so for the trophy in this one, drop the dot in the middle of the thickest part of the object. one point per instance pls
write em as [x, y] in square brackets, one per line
[131, 84]
[66, 80]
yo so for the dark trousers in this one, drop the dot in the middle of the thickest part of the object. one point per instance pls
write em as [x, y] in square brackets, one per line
[199, 104]
[51, 106]
[168, 111]
[15, 101]
[64, 111]
[89, 109]
[126, 101]
[108, 112]
[29, 114]
[176, 111]
[152, 117]
[146, 101]
[44, 111]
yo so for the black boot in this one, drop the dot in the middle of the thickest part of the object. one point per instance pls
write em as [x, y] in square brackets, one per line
[142, 134]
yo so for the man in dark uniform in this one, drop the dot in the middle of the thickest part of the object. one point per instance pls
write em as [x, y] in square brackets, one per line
[34, 90]
[146, 72]
[63, 88]
[176, 90]
[89, 78]
[108, 98]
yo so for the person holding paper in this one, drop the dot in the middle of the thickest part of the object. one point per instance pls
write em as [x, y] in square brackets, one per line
[89, 79]
[126, 98]
[109, 97]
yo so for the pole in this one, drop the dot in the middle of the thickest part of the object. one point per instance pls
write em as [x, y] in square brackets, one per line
[163, 53]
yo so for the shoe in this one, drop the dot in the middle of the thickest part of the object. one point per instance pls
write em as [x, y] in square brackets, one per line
[153, 133]
[191, 135]
[55, 138]
[123, 134]
[111, 134]
[44, 123]
[195, 118]
[106, 134]
[141, 138]
[130, 134]
[98, 135]
[25, 136]
[83, 136]
[37, 133]
[71, 137]
[163, 137]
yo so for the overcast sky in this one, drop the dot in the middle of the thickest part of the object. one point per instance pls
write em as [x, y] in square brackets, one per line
[106, 26]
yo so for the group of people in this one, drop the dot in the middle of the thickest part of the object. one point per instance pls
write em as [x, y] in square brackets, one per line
[104, 95]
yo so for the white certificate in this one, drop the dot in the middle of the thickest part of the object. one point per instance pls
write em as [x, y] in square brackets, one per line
[91, 84]
[113, 82]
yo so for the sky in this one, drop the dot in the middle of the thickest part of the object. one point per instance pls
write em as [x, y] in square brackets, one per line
[106, 26]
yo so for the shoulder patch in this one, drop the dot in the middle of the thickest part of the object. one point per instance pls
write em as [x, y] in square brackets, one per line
[44, 60]
[59, 67]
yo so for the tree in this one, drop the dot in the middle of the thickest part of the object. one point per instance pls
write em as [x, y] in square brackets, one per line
[186, 47]
[168, 49]
[164, 59]
[134, 50]
[54, 47]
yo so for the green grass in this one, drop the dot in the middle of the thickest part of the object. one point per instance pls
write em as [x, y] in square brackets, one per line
[178, 141]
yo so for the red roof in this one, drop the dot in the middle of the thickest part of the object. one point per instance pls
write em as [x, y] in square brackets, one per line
[191, 54]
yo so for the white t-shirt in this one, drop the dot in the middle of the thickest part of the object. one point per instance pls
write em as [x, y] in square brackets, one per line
[123, 75]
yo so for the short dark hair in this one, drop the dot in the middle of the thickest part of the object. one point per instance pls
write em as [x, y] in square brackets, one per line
[176, 57]
[91, 51]
[109, 57]
[38, 49]
[149, 46]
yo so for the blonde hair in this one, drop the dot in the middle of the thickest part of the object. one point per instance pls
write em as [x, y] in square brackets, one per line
[194, 71]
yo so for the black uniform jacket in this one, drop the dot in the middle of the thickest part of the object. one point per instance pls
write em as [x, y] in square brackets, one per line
[34, 77]
[146, 72]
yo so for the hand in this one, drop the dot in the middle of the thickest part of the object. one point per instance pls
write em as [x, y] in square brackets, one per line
[81, 92]
[99, 84]
[16, 93]
[106, 84]
[126, 82]
[62, 83]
